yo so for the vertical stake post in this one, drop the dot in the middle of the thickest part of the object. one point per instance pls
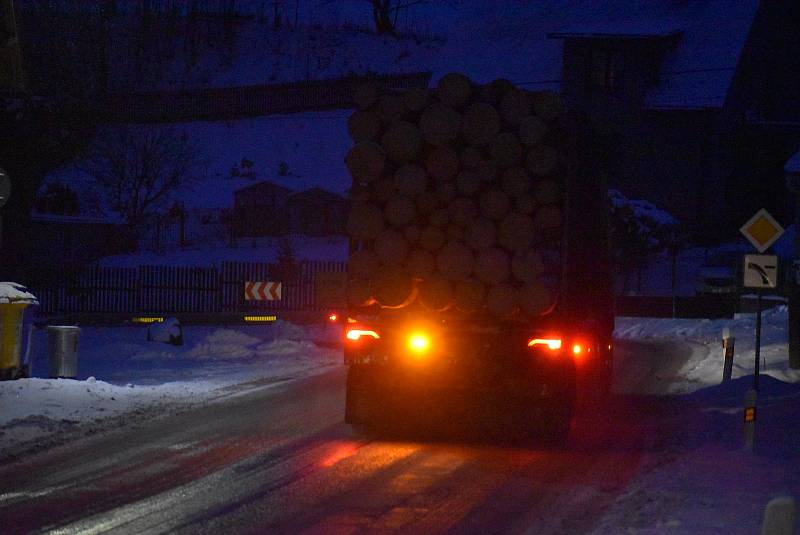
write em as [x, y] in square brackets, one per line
[757, 368]
[750, 400]
[728, 344]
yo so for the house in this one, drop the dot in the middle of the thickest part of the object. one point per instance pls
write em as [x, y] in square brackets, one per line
[696, 105]
[317, 212]
[261, 209]
[56, 241]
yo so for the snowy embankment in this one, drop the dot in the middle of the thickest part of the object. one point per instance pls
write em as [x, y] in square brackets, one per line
[700, 479]
[123, 377]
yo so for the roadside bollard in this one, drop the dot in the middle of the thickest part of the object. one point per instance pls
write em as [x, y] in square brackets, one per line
[750, 419]
[779, 516]
[728, 343]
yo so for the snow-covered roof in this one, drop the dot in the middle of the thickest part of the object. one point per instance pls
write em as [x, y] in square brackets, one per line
[631, 29]
[793, 165]
[511, 40]
[11, 292]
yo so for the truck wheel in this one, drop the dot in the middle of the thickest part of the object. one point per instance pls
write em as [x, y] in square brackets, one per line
[360, 402]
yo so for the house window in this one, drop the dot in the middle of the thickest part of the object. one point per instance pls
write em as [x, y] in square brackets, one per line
[603, 68]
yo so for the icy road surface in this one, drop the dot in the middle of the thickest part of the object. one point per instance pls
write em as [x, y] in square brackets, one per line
[280, 460]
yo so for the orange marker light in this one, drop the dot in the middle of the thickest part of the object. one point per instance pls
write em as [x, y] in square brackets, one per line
[550, 343]
[357, 334]
[419, 343]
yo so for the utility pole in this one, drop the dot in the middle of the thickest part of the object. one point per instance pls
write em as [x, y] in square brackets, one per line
[793, 185]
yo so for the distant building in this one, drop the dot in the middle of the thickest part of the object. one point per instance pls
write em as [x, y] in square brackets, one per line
[697, 104]
[261, 210]
[64, 241]
[316, 212]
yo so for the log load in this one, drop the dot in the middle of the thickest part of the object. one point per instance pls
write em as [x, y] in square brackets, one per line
[455, 189]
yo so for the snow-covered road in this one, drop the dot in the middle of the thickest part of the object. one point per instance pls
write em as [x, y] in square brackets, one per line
[268, 452]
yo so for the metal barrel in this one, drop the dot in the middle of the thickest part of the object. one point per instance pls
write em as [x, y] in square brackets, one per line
[63, 350]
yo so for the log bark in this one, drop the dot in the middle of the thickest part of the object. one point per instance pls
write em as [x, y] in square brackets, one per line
[416, 99]
[525, 204]
[542, 160]
[362, 264]
[535, 299]
[440, 124]
[359, 293]
[365, 221]
[402, 142]
[392, 287]
[514, 106]
[382, 189]
[400, 211]
[411, 180]
[454, 260]
[527, 266]
[470, 157]
[446, 191]
[532, 131]
[487, 171]
[391, 108]
[363, 125]
[493, 92]
[468, 182]
[515, 182]
[431, 238]
[506, 150]
[469, 295]
[412, 232]
[365, 161]
[516, 232]
[480, 124]
[547, 192]
[547, 217]
[454, 232]
[442, 164]
[391, 247]
[463, 211]
[501, 300]
[439, 217]
[492, 266]
[454, 90]
[366, 95]
[494, 204]
[481, 234]
[420, 263]
[436, 293]
[427, 202]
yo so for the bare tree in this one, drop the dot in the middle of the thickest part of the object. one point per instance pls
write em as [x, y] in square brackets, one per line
[385, 12]
[139, 169]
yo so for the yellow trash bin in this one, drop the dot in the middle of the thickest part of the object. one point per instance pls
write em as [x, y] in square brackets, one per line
[14, 299]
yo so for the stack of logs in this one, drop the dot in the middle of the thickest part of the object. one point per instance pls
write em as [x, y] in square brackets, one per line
[453, 188]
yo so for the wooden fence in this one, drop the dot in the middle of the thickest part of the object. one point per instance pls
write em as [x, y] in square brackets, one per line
[165, 290]
[247, 101]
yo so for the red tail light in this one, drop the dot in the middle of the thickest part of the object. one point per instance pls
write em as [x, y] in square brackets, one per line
[358, 334]
[552, 344]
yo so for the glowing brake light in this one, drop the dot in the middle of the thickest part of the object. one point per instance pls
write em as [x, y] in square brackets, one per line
[577, 349]
[333, 317]
[358, 334]
[550, 343]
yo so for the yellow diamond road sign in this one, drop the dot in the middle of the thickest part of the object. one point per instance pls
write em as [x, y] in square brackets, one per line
[762, 230]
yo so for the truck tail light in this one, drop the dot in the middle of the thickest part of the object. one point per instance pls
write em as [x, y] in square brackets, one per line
[419, 343]
[552, 344]
[357, 334]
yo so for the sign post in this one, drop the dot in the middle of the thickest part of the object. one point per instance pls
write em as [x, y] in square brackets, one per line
[760, 271]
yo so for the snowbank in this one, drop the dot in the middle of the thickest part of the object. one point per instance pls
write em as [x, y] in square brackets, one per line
[11, 292]
[122, 376]
[704, 365]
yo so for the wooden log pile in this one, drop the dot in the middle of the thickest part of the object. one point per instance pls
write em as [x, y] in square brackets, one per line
[454, 190]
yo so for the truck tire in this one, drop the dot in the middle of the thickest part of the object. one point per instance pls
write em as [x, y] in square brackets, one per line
[361, 407]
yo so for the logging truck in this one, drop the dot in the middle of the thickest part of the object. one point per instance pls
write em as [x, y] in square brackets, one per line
[479, 275]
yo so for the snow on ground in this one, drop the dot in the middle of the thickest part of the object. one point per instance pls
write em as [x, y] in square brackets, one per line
[123, 375]
[704, 364]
